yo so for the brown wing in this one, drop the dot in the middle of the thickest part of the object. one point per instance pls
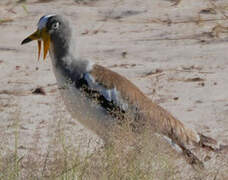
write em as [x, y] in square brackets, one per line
[111, 79]
[151, 114]
[156, 115]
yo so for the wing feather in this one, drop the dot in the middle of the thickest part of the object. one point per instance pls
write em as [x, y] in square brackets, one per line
[147, 112]
[121, 95]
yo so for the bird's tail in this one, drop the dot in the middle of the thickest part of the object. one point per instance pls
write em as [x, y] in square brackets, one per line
[177, 133]
[186, 136]
[208, 143]
[182, 136]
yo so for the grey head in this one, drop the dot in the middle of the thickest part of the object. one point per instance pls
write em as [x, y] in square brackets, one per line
[60, 34]
[55, 32]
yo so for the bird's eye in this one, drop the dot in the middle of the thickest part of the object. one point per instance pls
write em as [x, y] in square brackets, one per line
[55, 25]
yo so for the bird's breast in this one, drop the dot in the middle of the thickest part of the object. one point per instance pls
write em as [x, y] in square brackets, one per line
[81, 102]
[89, 101]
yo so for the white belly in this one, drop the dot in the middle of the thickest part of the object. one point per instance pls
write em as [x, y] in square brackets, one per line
[88, 113]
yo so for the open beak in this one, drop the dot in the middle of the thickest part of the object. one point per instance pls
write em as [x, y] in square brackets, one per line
[40, 35]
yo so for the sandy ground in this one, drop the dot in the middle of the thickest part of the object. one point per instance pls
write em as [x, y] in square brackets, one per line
[168, 51]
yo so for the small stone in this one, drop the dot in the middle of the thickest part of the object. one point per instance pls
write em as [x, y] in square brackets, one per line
[207, 158]
[124, 53]
[39, 90]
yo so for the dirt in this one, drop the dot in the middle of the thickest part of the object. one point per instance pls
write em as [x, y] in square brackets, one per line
[168, 51]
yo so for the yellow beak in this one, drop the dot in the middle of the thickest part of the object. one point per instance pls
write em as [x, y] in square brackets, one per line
[40, 35]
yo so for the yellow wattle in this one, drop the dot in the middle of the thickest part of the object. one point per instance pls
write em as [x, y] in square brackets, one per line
[39, 49]
[46, 39]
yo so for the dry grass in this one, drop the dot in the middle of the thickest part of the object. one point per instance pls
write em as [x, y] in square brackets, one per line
[126, 156]
[114, 161]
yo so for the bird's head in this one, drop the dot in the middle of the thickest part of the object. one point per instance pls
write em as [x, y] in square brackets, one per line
[51, 29]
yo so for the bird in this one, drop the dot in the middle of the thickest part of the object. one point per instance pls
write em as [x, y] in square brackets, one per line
[101, 97]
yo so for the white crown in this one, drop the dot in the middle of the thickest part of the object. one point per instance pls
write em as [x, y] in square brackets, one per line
[43, 21]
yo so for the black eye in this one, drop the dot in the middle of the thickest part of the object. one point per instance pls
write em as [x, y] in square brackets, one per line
[55, 25]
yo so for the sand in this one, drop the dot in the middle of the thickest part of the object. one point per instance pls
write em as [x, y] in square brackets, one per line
[169, 52]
